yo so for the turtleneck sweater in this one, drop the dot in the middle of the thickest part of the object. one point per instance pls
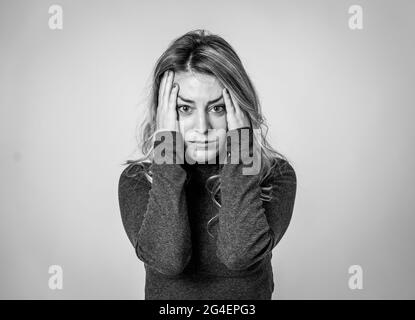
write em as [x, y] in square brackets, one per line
[166, 221]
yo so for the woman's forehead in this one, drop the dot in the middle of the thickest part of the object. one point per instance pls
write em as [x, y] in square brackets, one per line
[197, 86]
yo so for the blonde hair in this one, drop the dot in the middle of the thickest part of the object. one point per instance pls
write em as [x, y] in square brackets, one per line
[202, 52]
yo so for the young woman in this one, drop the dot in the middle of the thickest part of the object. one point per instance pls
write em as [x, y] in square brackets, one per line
[203, 228]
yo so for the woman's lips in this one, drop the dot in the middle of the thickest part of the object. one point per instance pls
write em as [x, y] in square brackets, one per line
[204, 144]
[203, 141]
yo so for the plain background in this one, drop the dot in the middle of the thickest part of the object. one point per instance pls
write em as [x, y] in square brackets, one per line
[339, 104]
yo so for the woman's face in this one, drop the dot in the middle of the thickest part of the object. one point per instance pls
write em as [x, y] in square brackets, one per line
[202, 115]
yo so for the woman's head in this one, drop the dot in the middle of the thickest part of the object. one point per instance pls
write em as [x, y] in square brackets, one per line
[201, 114]
[203, 64]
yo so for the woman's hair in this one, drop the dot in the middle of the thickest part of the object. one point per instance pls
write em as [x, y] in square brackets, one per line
[202, 52]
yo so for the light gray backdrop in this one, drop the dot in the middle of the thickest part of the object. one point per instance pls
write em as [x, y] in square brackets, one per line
[339, 103]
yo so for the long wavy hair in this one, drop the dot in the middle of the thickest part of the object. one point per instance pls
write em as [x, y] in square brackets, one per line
[206, 53]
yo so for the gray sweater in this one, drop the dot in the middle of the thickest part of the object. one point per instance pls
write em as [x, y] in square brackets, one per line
[166, 222]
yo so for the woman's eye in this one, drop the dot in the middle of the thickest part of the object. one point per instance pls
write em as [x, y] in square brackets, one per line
[219, 108]
[184, 108]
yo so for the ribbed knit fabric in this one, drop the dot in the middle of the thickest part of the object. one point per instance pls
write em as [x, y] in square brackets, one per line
[166, 223]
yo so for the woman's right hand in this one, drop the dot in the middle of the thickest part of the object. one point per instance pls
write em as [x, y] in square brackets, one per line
[166, 116]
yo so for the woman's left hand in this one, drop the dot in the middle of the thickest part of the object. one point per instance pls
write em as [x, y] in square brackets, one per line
[235, 117]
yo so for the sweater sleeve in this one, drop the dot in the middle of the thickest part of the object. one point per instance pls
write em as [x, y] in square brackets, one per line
[248, 227]
[154, 214]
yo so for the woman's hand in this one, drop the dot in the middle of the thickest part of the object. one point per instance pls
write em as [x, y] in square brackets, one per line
[166, 117]
[235, 117]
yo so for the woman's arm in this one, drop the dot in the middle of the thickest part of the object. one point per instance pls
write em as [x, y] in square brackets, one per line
[155, 215]
[248, 227]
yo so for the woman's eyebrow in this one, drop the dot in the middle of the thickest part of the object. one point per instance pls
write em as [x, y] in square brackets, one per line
[191, 101]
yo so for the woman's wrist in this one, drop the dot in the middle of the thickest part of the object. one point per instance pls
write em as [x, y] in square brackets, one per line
[168, 147]
[239, 144]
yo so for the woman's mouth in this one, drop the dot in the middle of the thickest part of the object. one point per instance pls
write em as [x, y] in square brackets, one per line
[204, 141]
[203, 144]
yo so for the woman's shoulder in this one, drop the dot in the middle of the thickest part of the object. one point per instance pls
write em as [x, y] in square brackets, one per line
[135, 168]
[134, 173]
[283, 172]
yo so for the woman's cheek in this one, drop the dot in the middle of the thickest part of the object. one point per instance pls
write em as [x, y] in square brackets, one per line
[182, 126]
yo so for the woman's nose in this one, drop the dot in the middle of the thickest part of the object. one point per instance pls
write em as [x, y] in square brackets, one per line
[202, 125]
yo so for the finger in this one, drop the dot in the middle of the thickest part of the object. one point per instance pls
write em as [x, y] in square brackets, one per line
[161, 89]
[173, 96]
[228, 102]
[167, 90]
[235, 103]
[239, 112]
[173, 103]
